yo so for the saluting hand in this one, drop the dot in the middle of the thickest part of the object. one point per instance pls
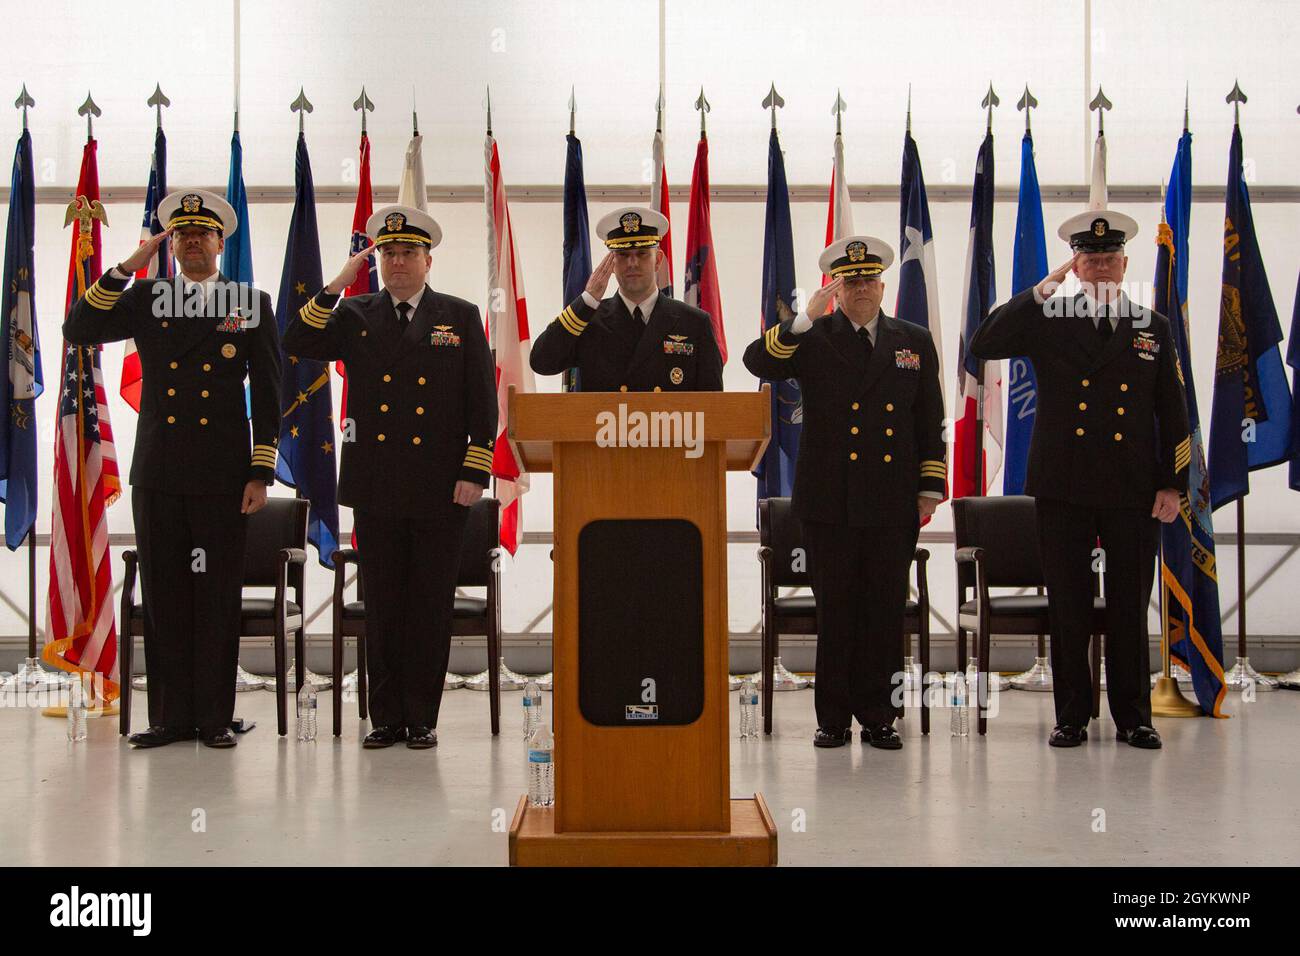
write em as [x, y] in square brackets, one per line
[599, 280]
[1052, 281]
[146, 251]
[350, 271]
[821, 299]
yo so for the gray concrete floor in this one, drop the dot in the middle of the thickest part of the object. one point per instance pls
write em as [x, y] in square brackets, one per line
[1220, 793]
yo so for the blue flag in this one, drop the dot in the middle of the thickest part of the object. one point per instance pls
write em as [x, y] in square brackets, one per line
[1028, 268]
[237, 256]
[577, 236]
[775, 472]
[21, 380]
[1293, 359]
[1188, 573]
[307, 440]
[1250, 425]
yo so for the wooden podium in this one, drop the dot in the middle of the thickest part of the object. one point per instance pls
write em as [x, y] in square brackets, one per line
[640, 703]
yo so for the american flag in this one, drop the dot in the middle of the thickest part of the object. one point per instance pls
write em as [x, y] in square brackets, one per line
[81, 636]
[507, 331]
[160, 266]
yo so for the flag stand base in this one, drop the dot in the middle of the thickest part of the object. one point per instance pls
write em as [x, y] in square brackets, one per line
[1168, 701]
[91, 713]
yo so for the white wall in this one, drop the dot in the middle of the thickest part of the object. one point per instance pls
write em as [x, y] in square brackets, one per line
[609, 52]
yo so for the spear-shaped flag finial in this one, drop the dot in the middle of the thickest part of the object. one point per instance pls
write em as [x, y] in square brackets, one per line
[365, 104]
[1236, 98]
[703, 106]
[573, 110]
[89, 110]
[837, 110]
[773, 101]
[1187, 99]
[158, 100]
[23, 102]
[1027, 103]
[990, 100]
[487, 105]
[302, 106]
[1100, 104]
[909, 108]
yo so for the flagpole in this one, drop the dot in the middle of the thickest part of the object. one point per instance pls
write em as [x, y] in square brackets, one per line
[990, 100]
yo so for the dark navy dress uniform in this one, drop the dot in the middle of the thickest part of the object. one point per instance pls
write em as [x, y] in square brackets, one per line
[615, 352]
[422, 415]
[1110, 430]
[872, 441]
[191, 462]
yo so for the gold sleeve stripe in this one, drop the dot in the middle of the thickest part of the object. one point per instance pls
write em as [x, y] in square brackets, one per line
[476, 459]
[477, 465]
[101, 298]
[314, 315]
[263, 462]
[572, 324]
[776, 348]
[1183, 454]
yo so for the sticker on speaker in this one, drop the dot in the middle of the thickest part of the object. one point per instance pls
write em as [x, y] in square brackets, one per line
[641, 712]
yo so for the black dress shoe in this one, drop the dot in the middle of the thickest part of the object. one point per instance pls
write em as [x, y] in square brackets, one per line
[218, 739]
[1145, 738]
[421, 738]
[832, 738]
[1067, 735]
[883, 737]
[383, 737]
[159, 737]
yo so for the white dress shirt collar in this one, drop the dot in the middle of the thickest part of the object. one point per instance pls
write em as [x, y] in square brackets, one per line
[647, 305]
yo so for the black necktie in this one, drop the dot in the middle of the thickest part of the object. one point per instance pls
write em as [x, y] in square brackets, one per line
[1104, 328]
[864, 337]
[403, 315]
[640, 318]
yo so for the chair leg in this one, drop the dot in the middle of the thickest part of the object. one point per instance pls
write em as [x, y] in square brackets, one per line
[281, 678]
[769, 667]
[300, 651]
[494, 678]
[126, 642]
[907, 649]
[1096, 676]
[363, 709]
[337, 673]
[983, 683]
[961, 649]
[923, 639]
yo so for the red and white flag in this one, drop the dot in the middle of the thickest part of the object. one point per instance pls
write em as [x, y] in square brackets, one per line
[839, 210]
[507, 331]
[80, 630]
[701, 280]
[659, 203]
[159, 265]
[366, 280]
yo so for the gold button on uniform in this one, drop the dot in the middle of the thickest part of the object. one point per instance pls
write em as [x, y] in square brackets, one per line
[1083, 406]
[1120, 410]
[1123, 386]
[203, 421]
[415, 440]
[380, 436]
[171, 419]
[1118, 436]
[1078, 431]
[1085, 383]
[174, 365]
[854, 406]
[164, 325]
[658, 389]
[889, 406]
[383, 408]
[889, 458]
[207, 367]
[889, 433]
[204, 393]
[622, 388]
[853, 430]
[171, 391]
[388, 378]
[419, 409]
[853, 456]
[421, 379]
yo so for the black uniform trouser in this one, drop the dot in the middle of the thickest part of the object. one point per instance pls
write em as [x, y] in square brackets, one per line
[859, 578]
[191, 550]
[408, 568]
[1067, 535]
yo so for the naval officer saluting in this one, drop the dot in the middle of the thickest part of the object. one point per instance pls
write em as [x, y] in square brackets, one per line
[1107, 460]
[637, 340]
[417, 453]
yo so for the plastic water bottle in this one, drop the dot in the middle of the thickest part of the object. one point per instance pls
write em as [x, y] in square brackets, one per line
[532, 708]
[541, 769]
[972, 675]
[307, 711]
[76, 710]
[748, 709]
[959, 722]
